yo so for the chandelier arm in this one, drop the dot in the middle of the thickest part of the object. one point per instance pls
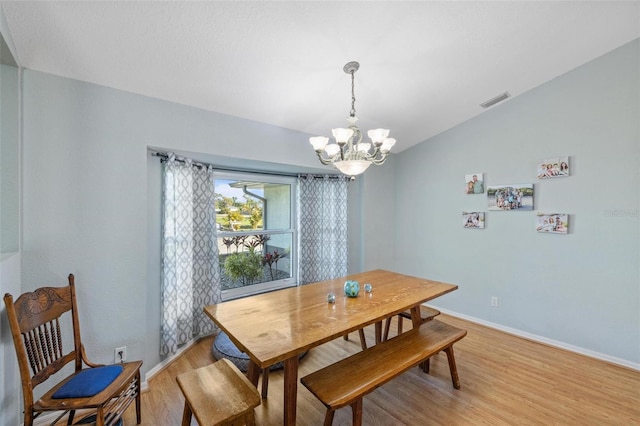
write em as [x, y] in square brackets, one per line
[373, 156]
[356, 134]
[380, 161]
[353, 142]
[324, 161]
[370, 158]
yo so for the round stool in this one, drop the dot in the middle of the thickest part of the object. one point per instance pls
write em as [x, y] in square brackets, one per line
[223, 347]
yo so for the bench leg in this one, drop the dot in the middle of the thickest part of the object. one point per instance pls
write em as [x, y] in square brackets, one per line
[250, 418]
[265, 381]
[356, 409]
[346, 337]
[186, 415]
[328, 418]
[452, 367]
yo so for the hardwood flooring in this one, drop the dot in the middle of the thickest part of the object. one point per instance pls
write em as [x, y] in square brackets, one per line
[505, 380]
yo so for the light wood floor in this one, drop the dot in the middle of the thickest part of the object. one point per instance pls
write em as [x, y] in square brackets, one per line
[505, 380]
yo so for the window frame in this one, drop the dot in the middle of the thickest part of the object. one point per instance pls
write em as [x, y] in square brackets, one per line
[292, 230]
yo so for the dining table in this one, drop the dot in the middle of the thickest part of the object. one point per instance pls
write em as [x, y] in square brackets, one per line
[281, 325]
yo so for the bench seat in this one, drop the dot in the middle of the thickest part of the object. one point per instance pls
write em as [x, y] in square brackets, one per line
[347, 381]
[218, 394]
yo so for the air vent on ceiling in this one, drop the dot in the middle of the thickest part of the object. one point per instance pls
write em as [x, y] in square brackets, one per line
[491, 102]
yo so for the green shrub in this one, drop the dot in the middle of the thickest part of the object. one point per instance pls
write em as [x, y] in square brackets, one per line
[245, 265]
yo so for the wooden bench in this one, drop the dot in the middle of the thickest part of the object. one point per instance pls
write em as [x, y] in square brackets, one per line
[349, 380]
[218, 394]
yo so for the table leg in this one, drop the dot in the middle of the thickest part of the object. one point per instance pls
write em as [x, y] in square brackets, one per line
[378, 332]
[253, 373]
[290, 390]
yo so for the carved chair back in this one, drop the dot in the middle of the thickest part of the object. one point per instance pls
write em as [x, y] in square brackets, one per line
[39, 322]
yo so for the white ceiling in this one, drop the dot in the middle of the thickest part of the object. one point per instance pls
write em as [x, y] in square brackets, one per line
[424, 66]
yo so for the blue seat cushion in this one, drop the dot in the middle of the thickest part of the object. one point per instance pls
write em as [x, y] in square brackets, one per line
[223, 347]
[88, 382]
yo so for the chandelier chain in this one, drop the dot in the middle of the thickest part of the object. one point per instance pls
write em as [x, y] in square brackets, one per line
[353, 96]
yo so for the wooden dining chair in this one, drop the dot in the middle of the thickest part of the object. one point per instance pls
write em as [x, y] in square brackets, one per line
[426, 314]
[43, 324]
[363, 339]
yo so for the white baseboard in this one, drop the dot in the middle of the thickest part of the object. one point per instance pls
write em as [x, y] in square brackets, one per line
[544, 340]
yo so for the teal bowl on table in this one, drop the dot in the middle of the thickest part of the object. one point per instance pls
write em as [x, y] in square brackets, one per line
[351, 288]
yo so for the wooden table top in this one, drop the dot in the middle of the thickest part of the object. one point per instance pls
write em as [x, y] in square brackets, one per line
[272, 327]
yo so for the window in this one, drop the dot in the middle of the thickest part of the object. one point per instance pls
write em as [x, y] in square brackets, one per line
[255, 230]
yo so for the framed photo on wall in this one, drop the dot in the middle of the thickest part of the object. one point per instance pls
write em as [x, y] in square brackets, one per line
[474, 220]
[553, 167]
[556, 223]
[473, 183]
[514, 196]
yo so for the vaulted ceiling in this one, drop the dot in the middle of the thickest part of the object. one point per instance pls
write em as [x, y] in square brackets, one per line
[424, 66]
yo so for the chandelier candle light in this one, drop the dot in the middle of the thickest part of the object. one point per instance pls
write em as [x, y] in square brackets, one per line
[349, 154]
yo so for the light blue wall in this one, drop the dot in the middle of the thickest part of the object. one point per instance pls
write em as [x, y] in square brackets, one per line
[10, 263]
[9, 159]
[373, 219]
[84, 205]
[580, 289]
[91, 196]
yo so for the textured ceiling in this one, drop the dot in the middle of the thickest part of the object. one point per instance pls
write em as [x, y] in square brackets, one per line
[425, 66]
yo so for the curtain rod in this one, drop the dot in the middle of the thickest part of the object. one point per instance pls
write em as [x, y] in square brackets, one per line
[165, 156]
[307, 175]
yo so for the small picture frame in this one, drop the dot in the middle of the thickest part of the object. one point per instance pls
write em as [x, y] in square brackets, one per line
[473, 183]
[510, 197]
[473, 220]
[553, 167]
[555, 223]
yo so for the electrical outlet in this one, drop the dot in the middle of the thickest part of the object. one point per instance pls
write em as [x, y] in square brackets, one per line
[120, 354]
[494, 301]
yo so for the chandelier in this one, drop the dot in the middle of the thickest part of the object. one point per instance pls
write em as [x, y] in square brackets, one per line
[349, 154]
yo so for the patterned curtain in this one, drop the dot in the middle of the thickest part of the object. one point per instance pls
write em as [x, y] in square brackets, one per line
[190, 273]
[322, 217]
